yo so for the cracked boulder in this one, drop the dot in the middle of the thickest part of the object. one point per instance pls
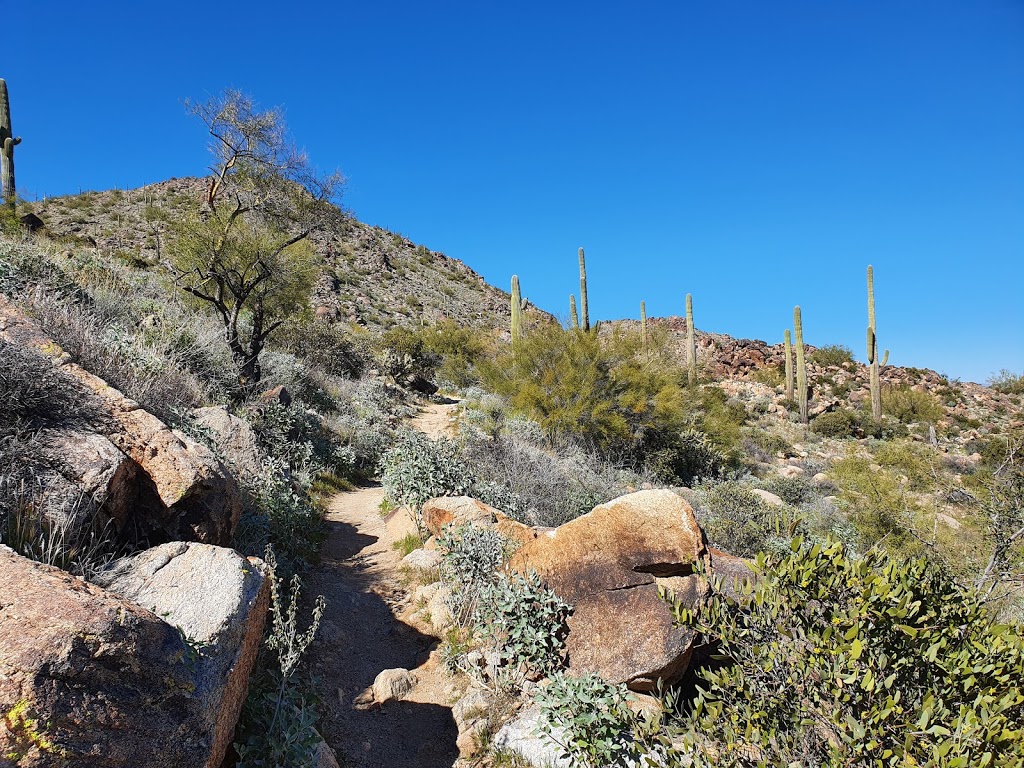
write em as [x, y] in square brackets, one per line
[608, 565]
[92, 679]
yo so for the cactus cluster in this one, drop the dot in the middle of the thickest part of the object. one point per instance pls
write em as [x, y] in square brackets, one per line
[7, 144]
[801, 365]
[691, 343]
[873, 361]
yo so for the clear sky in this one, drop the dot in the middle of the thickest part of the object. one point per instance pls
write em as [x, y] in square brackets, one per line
[755, 154]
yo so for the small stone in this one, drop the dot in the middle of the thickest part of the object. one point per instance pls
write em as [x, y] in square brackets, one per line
[423, 559]
[768, 497]
[392, 684]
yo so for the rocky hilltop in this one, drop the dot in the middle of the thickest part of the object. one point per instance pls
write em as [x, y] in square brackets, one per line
[371, 277]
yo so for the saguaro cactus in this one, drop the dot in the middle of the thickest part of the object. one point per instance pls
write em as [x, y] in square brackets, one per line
[643, 327]
[573, 314]
[584, 311]
[691, 343]
[788, 350]
[801, 365]
[7, 144]
[873, 362]
[517, 310]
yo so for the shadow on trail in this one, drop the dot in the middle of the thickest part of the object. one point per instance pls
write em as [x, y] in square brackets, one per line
[359, 637]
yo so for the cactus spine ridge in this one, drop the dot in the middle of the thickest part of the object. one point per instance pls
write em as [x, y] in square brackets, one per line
[788, 351]
[7, 144]
[584, 309]
[574, 316]
[517, 310]
[801, 365]
[691, 343]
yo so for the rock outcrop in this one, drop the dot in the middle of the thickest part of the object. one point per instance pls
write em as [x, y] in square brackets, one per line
[460, 510]
[90, 679]
[608, 565]
[218, 601]
[149, 483]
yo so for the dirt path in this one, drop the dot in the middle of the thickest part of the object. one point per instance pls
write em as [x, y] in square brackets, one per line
[362, 633]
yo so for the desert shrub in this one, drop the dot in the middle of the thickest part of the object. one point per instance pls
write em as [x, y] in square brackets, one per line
[691, 457]
[526, 621]
[764, 445]
[459, 349]
[835, 355]
[34, 392]
[839, 423]
[792, 490]
[277, 726]
[590, 719]
[1007, 382]
[538, 486]
[401, 352]
[417, 468]
[769, 375]
[325, 346]
[737, 520]
[836, 660]
[470, 558]
[878, 503]
[910, 405]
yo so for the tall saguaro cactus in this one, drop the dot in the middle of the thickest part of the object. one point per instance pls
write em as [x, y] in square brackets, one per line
[801, 365]
[573, 314]
[643, 327]
[691, 342]
[584, 311]
[517, 310]
[7, 144]
[873, 362]
[788, 351]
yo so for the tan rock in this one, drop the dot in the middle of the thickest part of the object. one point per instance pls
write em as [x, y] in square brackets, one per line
[392, 684]
[768, 497]
[459, 510]
[791, 470]
[93, 680]
[606, 564]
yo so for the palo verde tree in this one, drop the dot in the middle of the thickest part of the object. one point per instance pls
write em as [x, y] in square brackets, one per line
[246, 251]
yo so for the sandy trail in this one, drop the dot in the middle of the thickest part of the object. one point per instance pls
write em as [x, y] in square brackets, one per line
[362, 633]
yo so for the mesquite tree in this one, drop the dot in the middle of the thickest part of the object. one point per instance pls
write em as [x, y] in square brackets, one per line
[246, 250]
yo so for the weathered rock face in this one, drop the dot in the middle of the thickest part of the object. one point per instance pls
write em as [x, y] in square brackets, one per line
[607, 564]
[92, 679]
[151, 483]
[234, 438]
[218, 600]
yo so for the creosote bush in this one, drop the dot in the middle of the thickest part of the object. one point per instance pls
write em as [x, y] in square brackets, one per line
[872, 661]
[910, 405]
[832, 355]
[737, 520]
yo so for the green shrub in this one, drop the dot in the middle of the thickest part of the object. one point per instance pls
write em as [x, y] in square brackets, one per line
[326, 346]
[401, 352]
[470, 558]
[1007, 382]
[590, 719]
[769, 375]
[839, 423]
[526, 621]
[792, 490]
[691, 457]
[832, 355]
[764, 445]
[417, 468]
[836, 660]
[737, 520]
[910, 405]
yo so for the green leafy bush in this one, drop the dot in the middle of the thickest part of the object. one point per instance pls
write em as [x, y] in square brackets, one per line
[872, 661]
[764, 445]
[792, 490]
[692, 456]
[737, 520]
[590, 719]
[326, 346]
[832, 355]
[417, 468]
[1007, 382]
[839, 423]
[525, 620]
[910, 405]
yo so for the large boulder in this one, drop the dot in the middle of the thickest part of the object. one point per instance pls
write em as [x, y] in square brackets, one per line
[608, 565]
[234, 438]
[90, 679]
[218, 601]
[154, 483]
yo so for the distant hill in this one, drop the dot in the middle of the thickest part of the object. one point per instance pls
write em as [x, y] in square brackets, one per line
[371, 277]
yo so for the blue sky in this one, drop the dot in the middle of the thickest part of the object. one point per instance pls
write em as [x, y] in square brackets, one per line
[757, 155]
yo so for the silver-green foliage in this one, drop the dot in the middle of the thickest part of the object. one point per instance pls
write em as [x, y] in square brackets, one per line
[838, 660]
[590, 719]
[526, 620]
[417, 468]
